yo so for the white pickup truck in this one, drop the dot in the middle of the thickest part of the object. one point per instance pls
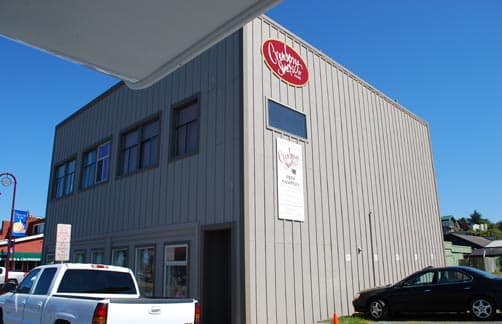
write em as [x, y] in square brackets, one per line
[14, 276]
[85, 293]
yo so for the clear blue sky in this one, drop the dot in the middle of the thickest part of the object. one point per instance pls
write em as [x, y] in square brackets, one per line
[440, 59]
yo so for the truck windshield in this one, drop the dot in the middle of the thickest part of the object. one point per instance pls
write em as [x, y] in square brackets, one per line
[97, 282]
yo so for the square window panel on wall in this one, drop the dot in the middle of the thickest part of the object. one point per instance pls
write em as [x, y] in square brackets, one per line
[98, 256]
[139, 147]
[176, 271]
[144, 269]
[64, 178]
[79, 256]
[287, 120]
[185, 128]
[95, 165]
[120, 257]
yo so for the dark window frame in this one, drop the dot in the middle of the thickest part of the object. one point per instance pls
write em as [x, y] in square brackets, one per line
[164, 263]
[154, 265]
[137, 148]
[38, 228]
[50, 258]
[95, 252]
[191, 101]
[95, 149]
[286, 131]
[120, 248]
[61, 181]
[76, 252]
[412, 281]
[98, 281]
[44, 281]
[450, 281]
[24, 287]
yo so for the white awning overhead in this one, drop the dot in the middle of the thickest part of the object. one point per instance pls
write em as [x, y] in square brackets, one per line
[136, 41]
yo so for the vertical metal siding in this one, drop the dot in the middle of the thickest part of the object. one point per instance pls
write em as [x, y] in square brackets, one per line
[364, 153]
[170, 202]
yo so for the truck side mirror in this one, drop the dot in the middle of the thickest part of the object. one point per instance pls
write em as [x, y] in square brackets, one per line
[11, 287]
[8, 287]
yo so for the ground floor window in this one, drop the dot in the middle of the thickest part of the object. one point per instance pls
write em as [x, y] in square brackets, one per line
[50, 258]
[79, 256]
[176, 271]
[98, 256]
[120, 257]
[144, 269]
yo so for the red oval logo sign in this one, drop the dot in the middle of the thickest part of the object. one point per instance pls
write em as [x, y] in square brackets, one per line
[285, 62]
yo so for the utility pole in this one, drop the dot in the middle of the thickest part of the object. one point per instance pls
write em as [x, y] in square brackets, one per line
[7, 179]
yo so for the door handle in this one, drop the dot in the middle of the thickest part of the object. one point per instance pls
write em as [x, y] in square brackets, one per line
[39, 304]
[427, 290]
[155, 310]
[467, 288]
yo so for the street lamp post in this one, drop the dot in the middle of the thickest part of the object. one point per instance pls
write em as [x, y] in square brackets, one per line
[7, 179]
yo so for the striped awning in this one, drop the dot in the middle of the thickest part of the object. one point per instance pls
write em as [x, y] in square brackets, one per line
[23, 256]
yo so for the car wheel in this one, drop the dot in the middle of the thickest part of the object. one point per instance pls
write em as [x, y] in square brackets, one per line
[377, 309]
[482, 308]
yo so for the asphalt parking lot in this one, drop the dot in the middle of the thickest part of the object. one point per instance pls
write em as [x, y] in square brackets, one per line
[417, 318]
[441, 319]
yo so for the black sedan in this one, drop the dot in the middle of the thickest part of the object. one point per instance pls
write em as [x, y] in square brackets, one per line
[435, 290]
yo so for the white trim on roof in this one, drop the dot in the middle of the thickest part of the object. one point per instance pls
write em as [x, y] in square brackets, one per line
[23, 239]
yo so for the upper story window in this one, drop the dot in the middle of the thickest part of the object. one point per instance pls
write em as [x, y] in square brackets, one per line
[185, 137]
[286, 119]
[140, 148]
[38, 228]
[64, 179]
[96, 165]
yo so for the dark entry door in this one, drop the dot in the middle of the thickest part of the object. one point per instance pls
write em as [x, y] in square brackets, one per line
[216, 303]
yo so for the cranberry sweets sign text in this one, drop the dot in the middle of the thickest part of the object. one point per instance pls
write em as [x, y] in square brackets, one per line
[285, 62]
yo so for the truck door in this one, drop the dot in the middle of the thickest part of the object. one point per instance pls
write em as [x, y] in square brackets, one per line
[15, 303]
[36, 300]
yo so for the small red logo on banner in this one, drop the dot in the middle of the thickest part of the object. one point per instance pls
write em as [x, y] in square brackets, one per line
[285, 62]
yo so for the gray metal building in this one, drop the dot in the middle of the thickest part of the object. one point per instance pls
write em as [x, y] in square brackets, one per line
[184, 183]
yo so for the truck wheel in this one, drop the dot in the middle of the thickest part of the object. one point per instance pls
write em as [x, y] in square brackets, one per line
[58, 322]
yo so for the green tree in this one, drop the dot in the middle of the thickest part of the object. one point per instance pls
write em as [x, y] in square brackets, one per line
[477, 218]
[493, 232]
[499, 225]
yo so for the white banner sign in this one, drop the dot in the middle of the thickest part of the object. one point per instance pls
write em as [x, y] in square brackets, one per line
[290, 180]
[63, 239]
